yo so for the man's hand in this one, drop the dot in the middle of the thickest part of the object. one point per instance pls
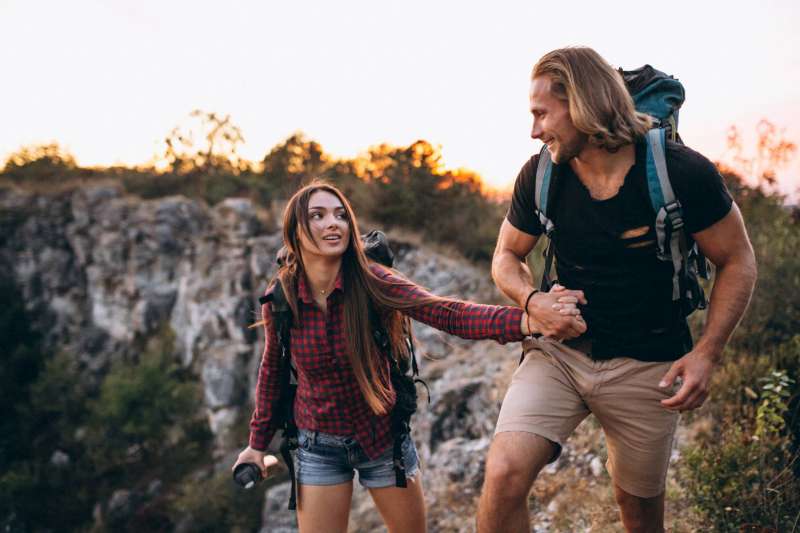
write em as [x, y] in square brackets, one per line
[694, 369]
[555, 314]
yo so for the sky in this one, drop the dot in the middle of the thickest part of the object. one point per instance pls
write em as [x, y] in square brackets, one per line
[109, 79]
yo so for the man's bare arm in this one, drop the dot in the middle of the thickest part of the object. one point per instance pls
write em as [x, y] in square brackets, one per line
[552, 314]
[509, 270]
[727, 246]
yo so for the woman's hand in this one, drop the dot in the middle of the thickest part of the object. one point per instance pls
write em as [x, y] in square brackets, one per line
[262, 460]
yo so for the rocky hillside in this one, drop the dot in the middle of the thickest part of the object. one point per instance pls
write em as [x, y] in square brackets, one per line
[99, 270]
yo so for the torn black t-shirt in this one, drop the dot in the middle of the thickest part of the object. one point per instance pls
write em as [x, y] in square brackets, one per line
[607, 249]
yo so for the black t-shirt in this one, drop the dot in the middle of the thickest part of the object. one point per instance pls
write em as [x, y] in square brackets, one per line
[603, 248]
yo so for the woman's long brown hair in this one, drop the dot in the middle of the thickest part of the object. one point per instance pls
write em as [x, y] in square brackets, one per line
[363, 292]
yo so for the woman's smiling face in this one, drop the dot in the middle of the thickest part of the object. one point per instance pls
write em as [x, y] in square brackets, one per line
[329, 225]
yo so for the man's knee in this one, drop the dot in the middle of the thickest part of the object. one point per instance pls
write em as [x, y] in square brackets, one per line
[505, 478]
[513, 463]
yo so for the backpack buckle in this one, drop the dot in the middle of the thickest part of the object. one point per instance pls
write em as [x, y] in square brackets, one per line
[546, 223]
[675, 215]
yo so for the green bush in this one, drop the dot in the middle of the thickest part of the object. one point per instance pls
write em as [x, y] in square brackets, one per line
[146, 417]
[774, 229]
[741, 475]
[216, 504]
[141, 425]
[40, 163]
[35, 493]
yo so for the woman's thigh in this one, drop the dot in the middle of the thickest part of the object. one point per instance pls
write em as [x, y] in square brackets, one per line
[324, 507]
[325, 483]
[402, 509]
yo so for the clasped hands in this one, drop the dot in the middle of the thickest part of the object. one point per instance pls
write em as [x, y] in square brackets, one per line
[555, 314]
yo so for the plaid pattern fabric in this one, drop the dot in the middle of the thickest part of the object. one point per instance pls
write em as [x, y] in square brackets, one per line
[328, 397]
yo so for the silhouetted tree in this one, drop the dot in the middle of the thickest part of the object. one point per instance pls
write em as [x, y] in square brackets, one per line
[293, 163]
[39, 162]
[207, 143]
[773, 151]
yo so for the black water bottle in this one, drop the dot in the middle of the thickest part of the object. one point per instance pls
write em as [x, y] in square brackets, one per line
[246, 475]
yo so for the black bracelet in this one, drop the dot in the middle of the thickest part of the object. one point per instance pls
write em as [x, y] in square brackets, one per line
[528, 299]
[527, 314]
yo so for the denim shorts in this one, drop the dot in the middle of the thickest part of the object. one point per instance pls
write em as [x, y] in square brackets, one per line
[324, 459]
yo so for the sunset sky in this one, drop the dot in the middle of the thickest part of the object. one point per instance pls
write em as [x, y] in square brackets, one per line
[109, 79]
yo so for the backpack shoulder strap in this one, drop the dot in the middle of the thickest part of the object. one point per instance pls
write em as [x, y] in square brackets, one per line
[544, 174]
[670, 236]
[282, 318]
[544, 177]
[281, 315]
[658, 185]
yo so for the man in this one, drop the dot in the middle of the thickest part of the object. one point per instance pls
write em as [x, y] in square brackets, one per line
[614, 343]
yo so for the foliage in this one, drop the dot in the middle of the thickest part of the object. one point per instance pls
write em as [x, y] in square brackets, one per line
[741, 476]
[216, 504]
[774, 231]
[21, 362]
[65, 447]
[773, 406]
[44, 406]
[772, 151]
[289, 166]
[208, 144]
[411, 189]
[744, 473]
[144, 414]
[393, 186]
[39, 163]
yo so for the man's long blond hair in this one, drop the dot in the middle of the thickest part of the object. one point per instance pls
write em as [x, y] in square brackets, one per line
[599, 103]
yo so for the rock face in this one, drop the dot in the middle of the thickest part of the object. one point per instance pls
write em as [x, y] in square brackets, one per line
[100, 270]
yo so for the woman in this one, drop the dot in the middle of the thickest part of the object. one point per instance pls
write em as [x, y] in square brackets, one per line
[344, 395]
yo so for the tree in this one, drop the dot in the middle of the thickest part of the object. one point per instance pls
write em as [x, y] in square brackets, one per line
[773, 152]
[207, 143]
[39, 162]
[292, 164]
[407, 183]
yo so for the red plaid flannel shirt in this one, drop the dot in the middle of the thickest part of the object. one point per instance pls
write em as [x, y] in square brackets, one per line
[328, 397]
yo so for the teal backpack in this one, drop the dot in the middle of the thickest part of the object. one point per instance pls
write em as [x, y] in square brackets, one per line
[660, 96]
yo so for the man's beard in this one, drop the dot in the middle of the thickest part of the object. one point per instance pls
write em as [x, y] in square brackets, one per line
[569, 150]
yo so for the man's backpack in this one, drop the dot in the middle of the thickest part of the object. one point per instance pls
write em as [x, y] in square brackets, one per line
[403, 373]
[660, 96]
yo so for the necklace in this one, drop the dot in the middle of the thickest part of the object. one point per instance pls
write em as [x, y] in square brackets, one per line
[326, 291]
